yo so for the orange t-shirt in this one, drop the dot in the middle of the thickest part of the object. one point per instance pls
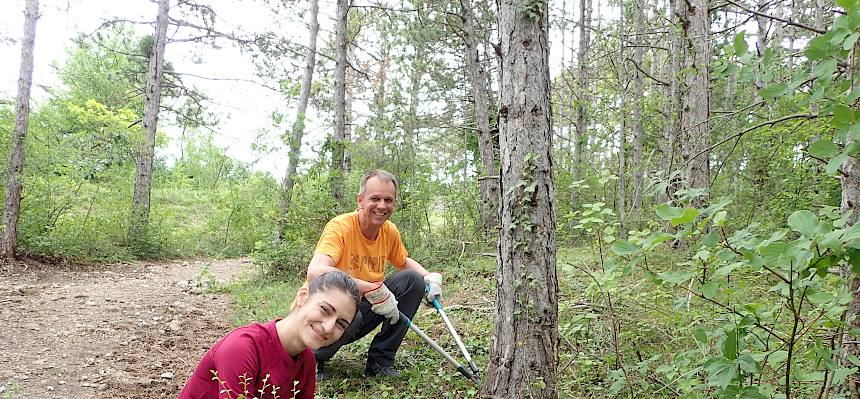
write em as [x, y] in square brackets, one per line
[358, 256]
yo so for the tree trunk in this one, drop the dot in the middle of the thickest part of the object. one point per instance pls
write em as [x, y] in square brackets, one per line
[138, 228]
[693, 16]
[582, 94]
[339, 142]
[524, 354]
[298, 129]
[850, 345]
[15, 174]
[622, 131]
[638, 97]
[489, 181]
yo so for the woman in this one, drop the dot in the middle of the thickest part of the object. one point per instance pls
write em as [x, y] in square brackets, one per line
[275, 359]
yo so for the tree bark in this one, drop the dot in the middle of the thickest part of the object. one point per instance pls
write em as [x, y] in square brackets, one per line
[694, 53]
[583, 96]
[298, 129]
[524, 353]
[489, 182]
[138, 229]
[15, 174]
[339, 142]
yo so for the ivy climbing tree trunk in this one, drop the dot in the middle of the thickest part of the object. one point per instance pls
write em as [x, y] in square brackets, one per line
[14, 183]
[693, 85]
[138, 228]
[489, 181]
[298, 129]
[524, 353]
[339, 142]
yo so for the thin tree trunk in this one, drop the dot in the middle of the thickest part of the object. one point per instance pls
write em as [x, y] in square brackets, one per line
[637, 98]
[622, 131]
[339, 143]
[582, 93]
[524, 353]
[693, 16]
[15, 174]
[489, 182]
[298, 129]
[138, 230]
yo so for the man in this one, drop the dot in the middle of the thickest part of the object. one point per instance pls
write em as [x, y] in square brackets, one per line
[361, 243]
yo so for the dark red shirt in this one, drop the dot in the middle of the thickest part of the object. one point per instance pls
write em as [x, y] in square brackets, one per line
[251, 361]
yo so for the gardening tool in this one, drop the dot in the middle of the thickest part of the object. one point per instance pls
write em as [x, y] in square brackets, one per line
[453, 332]
[462, 369]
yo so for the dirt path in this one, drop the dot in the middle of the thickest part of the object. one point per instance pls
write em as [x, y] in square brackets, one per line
[118, 331]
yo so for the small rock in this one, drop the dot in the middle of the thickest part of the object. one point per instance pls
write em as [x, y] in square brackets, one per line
[168, 375]
[91, 303]
[174, 325]
[50, 388]
[84, 378]
[102, 387]
[91, 361]
[61, 382]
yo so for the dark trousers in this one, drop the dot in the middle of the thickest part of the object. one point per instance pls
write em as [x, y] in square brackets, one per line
[408, 287]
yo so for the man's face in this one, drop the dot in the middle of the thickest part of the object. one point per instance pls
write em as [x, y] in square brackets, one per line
[378, 203]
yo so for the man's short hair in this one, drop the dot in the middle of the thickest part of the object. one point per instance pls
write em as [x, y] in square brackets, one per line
[382, 175]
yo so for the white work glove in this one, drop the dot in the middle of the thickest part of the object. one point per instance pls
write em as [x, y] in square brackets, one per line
[433, 281]
[383, 303]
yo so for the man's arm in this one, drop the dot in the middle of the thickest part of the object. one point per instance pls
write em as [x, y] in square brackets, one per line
[322, 263]
[414, 265]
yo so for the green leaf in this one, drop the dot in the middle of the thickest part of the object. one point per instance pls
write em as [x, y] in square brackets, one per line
[711, 239]
[842, 115]
[688, 215]
[751, 392]
[747, 363]
[720, 218]
[803, 222]
[667, 212]
[730, 345]
[823, 149]
[825, 69]
[777, 359]
[700, 335]
[842, 372]
[835, 163]
[818, 48]
[740, 44]
[854, 259]
[624, 248]
[850, 40]
[675, 277]
[721, 371]
[710, 289]
[772, 91]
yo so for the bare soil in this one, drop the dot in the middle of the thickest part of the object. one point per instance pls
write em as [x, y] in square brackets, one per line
[108, 331]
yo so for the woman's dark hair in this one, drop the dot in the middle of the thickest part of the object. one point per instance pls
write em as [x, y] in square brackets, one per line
[335, 279]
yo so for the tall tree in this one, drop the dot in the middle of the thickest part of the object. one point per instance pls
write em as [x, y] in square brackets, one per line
[637, 98]
[850, 345]
[14, 183]
[339, 142]
[489, 180]
[583, 96]
[524, 355]
[298, 128]
[693, 91]
[138, 228]
[621, 72]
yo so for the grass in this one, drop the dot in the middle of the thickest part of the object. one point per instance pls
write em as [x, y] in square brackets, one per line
[652, 354]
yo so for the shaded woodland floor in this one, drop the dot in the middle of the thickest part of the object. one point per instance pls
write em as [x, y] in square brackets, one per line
[108, 331]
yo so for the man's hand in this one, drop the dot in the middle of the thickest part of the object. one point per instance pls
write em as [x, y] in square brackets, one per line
[383, 303]
[434, 287]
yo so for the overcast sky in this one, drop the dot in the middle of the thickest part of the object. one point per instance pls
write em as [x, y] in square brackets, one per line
[243, 108]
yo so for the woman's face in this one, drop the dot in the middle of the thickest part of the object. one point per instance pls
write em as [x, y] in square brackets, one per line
[325, 316]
